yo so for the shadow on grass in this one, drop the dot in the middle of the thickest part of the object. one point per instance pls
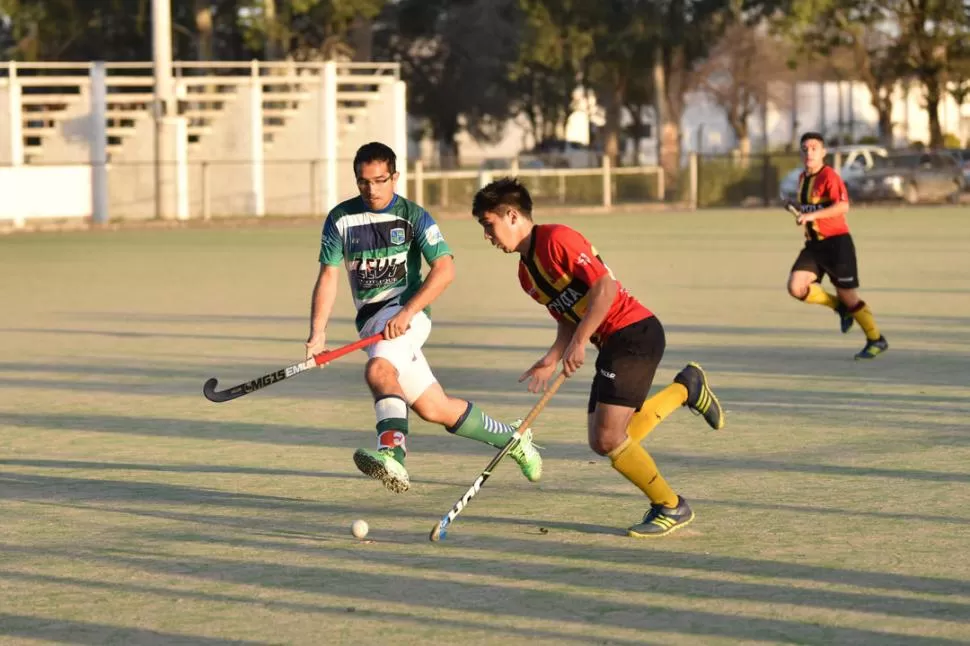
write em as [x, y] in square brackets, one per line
[524, 593]
[384, 615]
[85, 632]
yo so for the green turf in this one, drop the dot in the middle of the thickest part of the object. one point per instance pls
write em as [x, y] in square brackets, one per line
[833, 508]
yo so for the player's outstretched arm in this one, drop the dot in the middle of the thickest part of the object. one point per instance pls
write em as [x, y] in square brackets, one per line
[321, 305]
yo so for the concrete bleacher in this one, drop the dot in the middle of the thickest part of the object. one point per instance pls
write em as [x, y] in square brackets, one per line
[247, 137]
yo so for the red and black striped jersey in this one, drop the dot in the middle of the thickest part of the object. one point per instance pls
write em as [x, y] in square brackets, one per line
[816, 192]
[558, 271]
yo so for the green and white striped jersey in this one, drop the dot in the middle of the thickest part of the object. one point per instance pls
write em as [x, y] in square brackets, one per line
[382, 251]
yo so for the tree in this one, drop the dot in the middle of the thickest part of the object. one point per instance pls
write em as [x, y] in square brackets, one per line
[456, 56]
[623, 39]
[686, 30]
[856, 39]
[304, 29]
[933, 37]
[739, 76]
[552, 54]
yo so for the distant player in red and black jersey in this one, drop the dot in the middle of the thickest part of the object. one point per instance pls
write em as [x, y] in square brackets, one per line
[561, 270]
[821, 208]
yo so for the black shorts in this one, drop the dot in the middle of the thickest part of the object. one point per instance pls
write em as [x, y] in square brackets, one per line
[833, 256]
[626, 365]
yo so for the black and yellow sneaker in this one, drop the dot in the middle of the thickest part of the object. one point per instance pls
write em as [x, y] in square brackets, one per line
[845, 317]
[660, 520]
[873, 348]
[700, 397]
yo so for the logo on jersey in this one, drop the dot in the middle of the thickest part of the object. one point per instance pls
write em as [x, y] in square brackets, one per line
[564, 301]
[433, 235]
[397, 236]
[371, 273]
[583, 260]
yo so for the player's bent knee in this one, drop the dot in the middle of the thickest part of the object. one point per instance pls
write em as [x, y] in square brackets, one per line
[380, 372]
[605, 444]
[798, 290]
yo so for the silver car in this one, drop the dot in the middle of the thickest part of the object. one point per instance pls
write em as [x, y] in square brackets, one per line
[913, 178]
[855, 160]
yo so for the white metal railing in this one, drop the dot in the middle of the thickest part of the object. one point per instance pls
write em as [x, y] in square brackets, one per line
[202, 90]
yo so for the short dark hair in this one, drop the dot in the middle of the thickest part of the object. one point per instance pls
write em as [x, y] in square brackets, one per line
[506, 193]
[809, 136]
[375, 151]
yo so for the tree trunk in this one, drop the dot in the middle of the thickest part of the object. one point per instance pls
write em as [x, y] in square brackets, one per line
[272, 50]
[886, 126]
[934, 93]
[203, 27]
[611, 143]
[744, 147]
[882, 101]
[668, 124]
[447, 145]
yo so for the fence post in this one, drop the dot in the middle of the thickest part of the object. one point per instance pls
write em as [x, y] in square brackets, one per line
[765, 172]
[444, 189]
[314, 178]
[419, 181]
[98, 137]
[562, 187]
[607, 183]
[206, 197]
[693, 181]
[661, 184]
[15, 108]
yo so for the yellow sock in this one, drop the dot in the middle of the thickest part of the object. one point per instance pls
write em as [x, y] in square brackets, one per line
[636, 465]
[818, 296]
[655, 410]
[863, 316]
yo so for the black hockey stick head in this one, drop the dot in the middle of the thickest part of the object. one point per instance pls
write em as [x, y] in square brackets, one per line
[213, 395]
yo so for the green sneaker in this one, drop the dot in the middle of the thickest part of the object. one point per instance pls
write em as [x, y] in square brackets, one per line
[525, 454]
[660, 520]
[381, 465]
[873, 348]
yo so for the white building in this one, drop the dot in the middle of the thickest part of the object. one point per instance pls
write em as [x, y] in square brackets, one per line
[833, 108]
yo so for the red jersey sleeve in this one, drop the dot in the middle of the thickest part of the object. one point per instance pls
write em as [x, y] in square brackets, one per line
[835, 188]
[574, 253]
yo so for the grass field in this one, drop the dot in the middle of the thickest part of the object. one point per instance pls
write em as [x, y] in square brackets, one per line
[833, 508]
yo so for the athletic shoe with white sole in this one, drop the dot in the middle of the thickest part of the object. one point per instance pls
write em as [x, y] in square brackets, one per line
[381, 465]
[660, 520]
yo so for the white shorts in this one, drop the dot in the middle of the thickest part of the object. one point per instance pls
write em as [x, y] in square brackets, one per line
[404, 352]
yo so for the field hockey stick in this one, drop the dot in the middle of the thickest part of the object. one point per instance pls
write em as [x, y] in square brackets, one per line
[439, 531]
[213, 395]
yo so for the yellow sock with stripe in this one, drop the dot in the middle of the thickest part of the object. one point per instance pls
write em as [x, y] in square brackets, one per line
[863, 316]
[636, 465]
[655, 410]
[818, 296]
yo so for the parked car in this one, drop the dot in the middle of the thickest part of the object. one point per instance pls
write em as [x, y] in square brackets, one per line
[963, 159]
[913, 177]
[855, 160]
[559, 153]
